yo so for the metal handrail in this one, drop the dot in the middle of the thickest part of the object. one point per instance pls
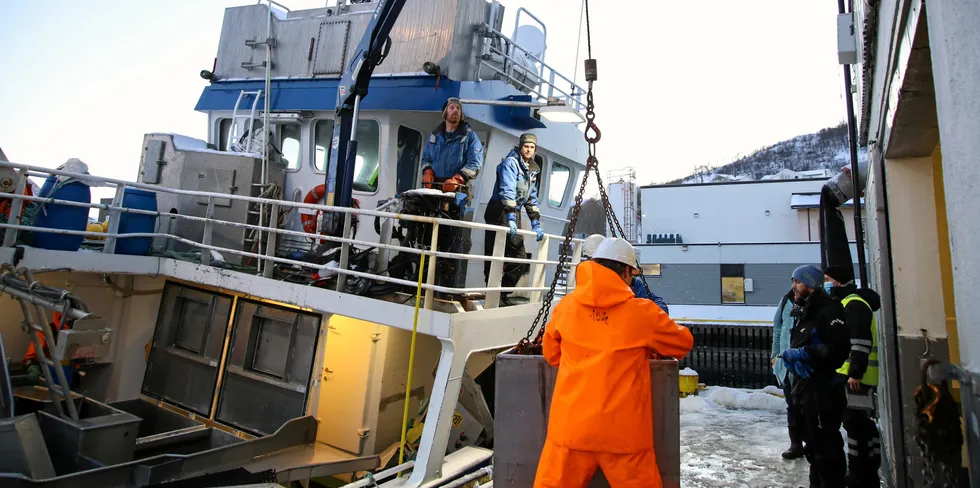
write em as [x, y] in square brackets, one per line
[116, 209]
[103, 181]
[540, 72]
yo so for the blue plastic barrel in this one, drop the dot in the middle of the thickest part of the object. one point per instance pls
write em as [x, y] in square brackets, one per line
[55, 216]
[130, 223]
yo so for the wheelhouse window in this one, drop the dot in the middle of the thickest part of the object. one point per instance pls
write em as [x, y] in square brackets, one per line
[289, 145]
[558, 181]
[733, 283]
[322, 134]
[366, 162]
[409, 156]
[224, 129]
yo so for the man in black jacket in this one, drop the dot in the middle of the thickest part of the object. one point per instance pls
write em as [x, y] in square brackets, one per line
[861, 373]
[818, 346]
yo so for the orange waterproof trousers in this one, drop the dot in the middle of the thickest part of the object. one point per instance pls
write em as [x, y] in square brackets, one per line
[560, 467]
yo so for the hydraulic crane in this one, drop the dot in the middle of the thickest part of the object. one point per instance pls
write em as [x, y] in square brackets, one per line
[371, 52]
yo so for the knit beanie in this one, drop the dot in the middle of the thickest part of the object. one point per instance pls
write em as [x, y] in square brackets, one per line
[839, 273]
[455, 101]
[528, 137]
[810, 276]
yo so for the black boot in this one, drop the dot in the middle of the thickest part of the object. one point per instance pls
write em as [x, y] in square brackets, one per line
[795, 451]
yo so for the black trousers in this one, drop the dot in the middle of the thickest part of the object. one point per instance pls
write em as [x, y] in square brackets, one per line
[792, 422]
[863, 445]
[514, 248]
[821, 410]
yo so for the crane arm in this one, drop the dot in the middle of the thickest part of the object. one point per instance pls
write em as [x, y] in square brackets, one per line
[371, 51]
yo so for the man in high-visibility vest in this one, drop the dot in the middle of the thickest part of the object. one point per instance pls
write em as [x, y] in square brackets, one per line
[861, 371]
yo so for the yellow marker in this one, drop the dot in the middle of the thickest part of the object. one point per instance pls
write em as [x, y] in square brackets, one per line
[411, 361]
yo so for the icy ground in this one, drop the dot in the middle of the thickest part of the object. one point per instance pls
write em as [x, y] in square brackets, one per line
[733, 438]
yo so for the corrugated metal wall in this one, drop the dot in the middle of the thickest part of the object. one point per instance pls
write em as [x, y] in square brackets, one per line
[769, 282]
[688, 284]
[700, 284]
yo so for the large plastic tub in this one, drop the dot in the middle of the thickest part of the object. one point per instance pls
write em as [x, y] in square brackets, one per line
[524, 385]
[130, 223]
[55, 216]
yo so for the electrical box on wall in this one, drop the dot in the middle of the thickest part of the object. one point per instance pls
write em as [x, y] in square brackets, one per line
[846, 40]
[747, 283]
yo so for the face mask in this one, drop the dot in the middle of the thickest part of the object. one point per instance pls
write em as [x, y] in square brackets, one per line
[827, 286]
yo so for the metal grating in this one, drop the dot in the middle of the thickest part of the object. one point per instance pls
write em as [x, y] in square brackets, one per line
[731, 355]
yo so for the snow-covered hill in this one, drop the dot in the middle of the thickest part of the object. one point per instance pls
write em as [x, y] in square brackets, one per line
[823, 150]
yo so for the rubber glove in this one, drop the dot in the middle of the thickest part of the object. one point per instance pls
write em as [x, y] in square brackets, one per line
[428, 176]
[34, 373]
[536, 227]
[796, 360]
[453, 183]
[512, 222]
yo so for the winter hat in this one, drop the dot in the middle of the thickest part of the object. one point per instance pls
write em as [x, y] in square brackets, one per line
[810, 276]
[528, 137]
[839, 273]
[446, 105]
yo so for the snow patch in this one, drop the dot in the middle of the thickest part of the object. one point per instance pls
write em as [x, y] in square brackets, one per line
[745, 399]
[688, 372]
[692, 404]
[773, 390]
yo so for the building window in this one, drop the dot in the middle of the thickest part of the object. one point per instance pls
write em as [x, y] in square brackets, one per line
[561, 176]
[367, 159]
[650, 269]
[733, 283]
[289, 145]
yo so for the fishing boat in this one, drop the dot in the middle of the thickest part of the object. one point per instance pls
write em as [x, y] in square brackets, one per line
[233, 319]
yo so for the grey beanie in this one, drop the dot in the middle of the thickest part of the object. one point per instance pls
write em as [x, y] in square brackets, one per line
[810, 276]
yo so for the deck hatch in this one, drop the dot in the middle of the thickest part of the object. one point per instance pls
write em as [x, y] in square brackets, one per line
[187, 344]
[267, 373]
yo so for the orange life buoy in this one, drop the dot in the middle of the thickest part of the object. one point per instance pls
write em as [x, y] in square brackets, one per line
[309, 220]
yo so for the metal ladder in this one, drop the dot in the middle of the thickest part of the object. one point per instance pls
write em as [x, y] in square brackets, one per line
[234, 133]
[38, 322]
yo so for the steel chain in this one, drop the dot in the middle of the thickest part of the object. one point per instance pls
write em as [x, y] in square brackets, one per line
[592, 135]
[939, 436]
[562, 261]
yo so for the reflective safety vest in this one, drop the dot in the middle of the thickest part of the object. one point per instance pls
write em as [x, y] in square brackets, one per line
[871, 347]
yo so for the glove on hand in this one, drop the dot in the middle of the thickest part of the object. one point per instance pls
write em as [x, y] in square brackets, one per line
[512, 222]
[34, 373]
[453, 183]
[536, 227]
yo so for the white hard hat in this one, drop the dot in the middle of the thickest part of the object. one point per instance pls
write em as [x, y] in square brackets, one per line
[591, 244]
[616, 249]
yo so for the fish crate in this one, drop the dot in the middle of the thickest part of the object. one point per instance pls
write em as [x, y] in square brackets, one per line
[523, 391]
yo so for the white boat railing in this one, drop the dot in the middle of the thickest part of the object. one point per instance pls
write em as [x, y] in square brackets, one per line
[513, 70]
[268, 258]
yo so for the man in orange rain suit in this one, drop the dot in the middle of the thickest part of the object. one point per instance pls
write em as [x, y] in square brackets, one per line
[34, 364]
[600, 337]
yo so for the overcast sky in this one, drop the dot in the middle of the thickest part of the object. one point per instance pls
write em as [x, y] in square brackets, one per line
[681, 83]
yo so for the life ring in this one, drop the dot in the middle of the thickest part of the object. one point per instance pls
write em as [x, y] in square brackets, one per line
[309, 220]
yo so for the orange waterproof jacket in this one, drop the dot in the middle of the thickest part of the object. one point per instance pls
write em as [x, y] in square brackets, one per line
[31, 354]
[600, 337]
